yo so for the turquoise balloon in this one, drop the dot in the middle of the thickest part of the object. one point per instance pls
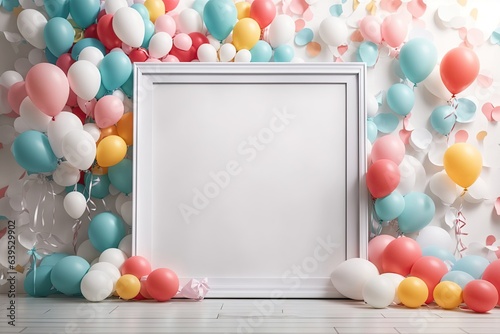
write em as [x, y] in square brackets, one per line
[474, 265]
[390, 207]
[100, 185]
[9, 5]
[400, 99]
[52, 259]
[59, 35]
[83, 43]
[106, 230]
[149, 30]
[417, 59]
[102, 92]
[371, 131]
[32, 151]
[57, 8]
[120, 176]
[115, 70]
[84, 12]
[443, 119]
[128, 86]
[39, 284]
[283, 54]
[50, 57]
[460, 277]
[418, 212]
[67, 274]
[261, 52]
[142, 10]
[220, 16]
[440, 253]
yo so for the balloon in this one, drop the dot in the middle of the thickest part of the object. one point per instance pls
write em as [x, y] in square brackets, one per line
[170, 5]
[412, 292]
[162, 284]
[390, 207]
[198, 39]
[165, 23]
[261, 52]
[190, 21]
[448, 295]
[114, 256]
[59, 128]
[417, 59]
[400, 255]
[160, 45]
[350, 276]
[96, 286]
[120, 176]
[281, 30]
[443, 187]
[379, 292]
[125, 128]
[33, 117]
[115, 70]
[107, 132]
[84, 79]
[480, 296]
[246, 33]
[39, 285]
[84, 12]
[220, 16]
[459, 68]
[435, 85]
[106, 230]
[108, 111]
[460, 277]
[110, 151]
[106, 33]
[430, 269]
[75, 204]
[155, 9]
[100, 185]
[369, 27]
[66, 175]
[463, 163]
[108, 268]
[382, 178]
[31, 24]
[57, 8]
[492, 275]
[48, 88]
[78, 147]
[396, 280]
[68, 273]
[58, 34]
[128, 286]
[435, 236]
[333, 31]
[243, 9]
[86, 250]
[16, 95]
[388, 147]
[32, 151]
[474, 265]
[283, 53]
[418, 212]
[400, 99]
[8, 78]
[207, 53]
[64, 62]
[440, 253]
[111, 6]
[243, 56]
[183, 42]
[83, 44]
[394, 30]
[128, 25]
[126, 244]
[263, 12]
[443, 119]
[376, 248]
[142, 10]
[52, 259]
[137, 266]
[227, 52]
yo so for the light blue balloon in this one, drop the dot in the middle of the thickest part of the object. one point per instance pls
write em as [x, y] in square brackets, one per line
[390, 207]
[371, 131]
[52, 259]
[386, 122]
[417, 59]
[33, 152]
[142, 10]
[57, 8]
[120, 176]
[443, 119]
[466, 110]
[220, 16]
[39, 285]
[115, 69]
[59, 35]
[304, 36]
[67, 274]
[106, 230]
[84, 12]
[283, 53]
[460, 277]
[418, 212]
[149, 30]
[261, 52]
[199, 6]
[367, 53]
[440, 253]
[50, 57]
[83, 43]
[400, 99]
[474, 265]
[100, 185]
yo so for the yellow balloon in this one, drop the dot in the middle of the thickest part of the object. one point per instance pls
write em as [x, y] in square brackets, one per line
[246, 34]
[413, 292]
[155, 8]
[128, 286]
[125, 128]
[463, 163]
[243, 9]
[110, 151]
[448, 295]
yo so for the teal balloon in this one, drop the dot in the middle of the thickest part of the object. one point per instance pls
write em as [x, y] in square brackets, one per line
[417, 59]
[57, 8]
[67, 274]
[50, 57]
[120, 176]
[400, 99]
[390, 207]
[84, 12]
[32, 151]
[59, 35]
[79, 187]
[460, 277]
[443, 119]
[115, 69]
[261, 52]
[220, 16]
[149, 30]
[142, 10]
[128, 86]
[102, 92]
[9, 5]
[474, 265]
[367, 53]
[52, 259]
[283, 54]
[100, 185]
[440, 253]
[418, 212]
[83, 43]
[371, 131]
[37, 283]
[106, 230]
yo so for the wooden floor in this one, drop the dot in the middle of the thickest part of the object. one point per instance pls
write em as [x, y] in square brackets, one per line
[73, 315]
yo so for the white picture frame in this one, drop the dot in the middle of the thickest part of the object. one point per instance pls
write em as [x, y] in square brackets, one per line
[251, 175]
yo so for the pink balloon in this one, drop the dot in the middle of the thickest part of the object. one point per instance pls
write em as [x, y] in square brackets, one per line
[382, 178]
[370, 29]
[108, 111]
[165, 23]
[183, 41]
[170, 59]
[48, 88]
[394, 30]
[87, 106]
[388, 147]
[16, 95]
[376, 248]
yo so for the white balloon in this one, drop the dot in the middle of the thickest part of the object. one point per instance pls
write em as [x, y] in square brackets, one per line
[281, 30]
[477, 192]
[96, 286]
[214, 42]
[36, 56]
[396, 280]
[207, 53]
[435, 236]
[444, 188]
[407, 177]
[87, 251]
[227, 52]
[333, 31]
[160, 45]
[243, 56]
[8, 78]
[63, 123]
[120, 199]
[31, 24]
[371, 106]
[84, 79]
[111, 6]
[75, 204]
[435, 85]
[20, 125]
[114, 256]
[128, 25]
[350, 276]
[379, 292]
[189, 21]
[93, 130]
[79, 149]
[109, 269]
[119, 94]
[91, 54]
[33, 117]
[126, 245]
[126, 212]
[66, 175]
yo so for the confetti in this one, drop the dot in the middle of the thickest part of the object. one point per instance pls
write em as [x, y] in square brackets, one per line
[484, 80]
[299, 25]
[416, 8]
[487, 110]
[298, 7]
[386, 122]
[356, 36]
[304, 37]
[368, 53]
[497, 206]
[465, 111]
[336, 10]
[481, 135]
[390, 5]
[405, 136]
[313, 49]
[461, 136]
[495, 36]
[420, 139]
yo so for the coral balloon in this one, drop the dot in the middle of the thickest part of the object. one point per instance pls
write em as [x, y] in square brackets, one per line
[412, 292]
[480, 296]
[429, 269]
[459, 68]
[137, 266]
[263, 11]
[400, 255]
[170, 4]
[246, 34]
[463, 164]
[110, 151]
[128, 286]
[388, 147]
[162, 284]
[382, 178]
[492, 275]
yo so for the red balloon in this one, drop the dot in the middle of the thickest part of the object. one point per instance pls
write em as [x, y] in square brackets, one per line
[16, 94]
[198, 39]
[429, 269]
[79, 113]
[72, 99]
[162, 284]
[91, 31]
[382, 178]
[263, 11]
[64, 62]
[137, 266]
[492, 275]
[184, 56]
[480, 295]
[106, 33]
[376, 248]
[400, 255]
[138, 55]
[170, 5]
[459, 68]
